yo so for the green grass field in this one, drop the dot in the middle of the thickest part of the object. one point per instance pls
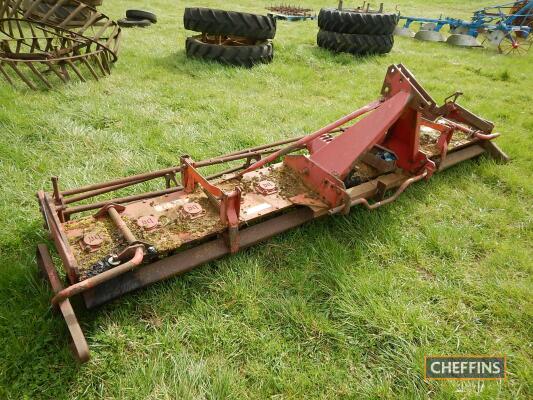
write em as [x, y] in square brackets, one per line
[345, 307]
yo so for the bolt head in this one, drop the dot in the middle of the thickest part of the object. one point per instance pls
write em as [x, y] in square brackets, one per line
[266, 187]
[93, 239]
[148, 222]
[192, 210]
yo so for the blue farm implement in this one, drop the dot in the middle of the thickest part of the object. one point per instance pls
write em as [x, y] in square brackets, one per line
[507, 27]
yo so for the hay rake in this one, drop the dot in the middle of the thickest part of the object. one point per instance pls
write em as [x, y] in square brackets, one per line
[42, 43]
[367, 158]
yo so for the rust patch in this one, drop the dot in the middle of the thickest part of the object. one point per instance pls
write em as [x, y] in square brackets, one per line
[429, 138]
[77, 230]
[364, 172]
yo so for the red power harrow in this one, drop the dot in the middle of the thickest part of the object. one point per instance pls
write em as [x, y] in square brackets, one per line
[130, 242]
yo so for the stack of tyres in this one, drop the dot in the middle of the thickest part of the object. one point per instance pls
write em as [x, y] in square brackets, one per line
[230, 37]
[356, 32]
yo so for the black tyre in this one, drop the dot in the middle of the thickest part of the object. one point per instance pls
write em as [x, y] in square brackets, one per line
[131, 23]
[140, 14]
[355, 44]
[219, 22]
[333, 20]
[242, 56]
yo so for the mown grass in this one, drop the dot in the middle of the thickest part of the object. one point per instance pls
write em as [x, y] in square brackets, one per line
[345, 307]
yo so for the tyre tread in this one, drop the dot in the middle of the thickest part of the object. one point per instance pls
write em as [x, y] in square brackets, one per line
[333, 20]
[354, 43]
[220, 22]
[242, 56]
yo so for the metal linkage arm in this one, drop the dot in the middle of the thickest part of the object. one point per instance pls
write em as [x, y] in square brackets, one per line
[309, 138]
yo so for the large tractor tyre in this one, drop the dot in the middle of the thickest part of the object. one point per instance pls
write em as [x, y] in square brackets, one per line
[219, 22]
[333, 20]
[242, 56]
[355, 44]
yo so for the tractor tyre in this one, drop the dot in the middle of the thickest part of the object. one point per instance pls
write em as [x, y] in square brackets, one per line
[140, 14]
[133, 23]
[333, 20]
[241, 56]
[355, 44]
[230, 23]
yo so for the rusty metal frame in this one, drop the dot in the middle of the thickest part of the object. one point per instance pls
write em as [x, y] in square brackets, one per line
[394, 119]
[291, 13]
[43, 43]
[290, 10]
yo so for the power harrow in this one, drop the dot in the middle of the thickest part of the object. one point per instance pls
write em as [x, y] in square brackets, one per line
[370, 157]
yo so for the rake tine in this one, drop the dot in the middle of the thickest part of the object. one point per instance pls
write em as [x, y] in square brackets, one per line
[44, 31]
[29, 11]
[72, 15]
[17, 22]
[10, 26]
[53, 69]
[76, 70]
[117, 45]
[90, 68]
[89, 22]
[63, 42]
[3, 8]
[99, 63]
[34, 45]
[34, 35]
[15, 9]
[102, 30]
[2, 70]
[49, 43]
[64, 70]
[87, 48]
[113, 34]
[21, 75]
[52, 10]
[38, 73]
[105, 63]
